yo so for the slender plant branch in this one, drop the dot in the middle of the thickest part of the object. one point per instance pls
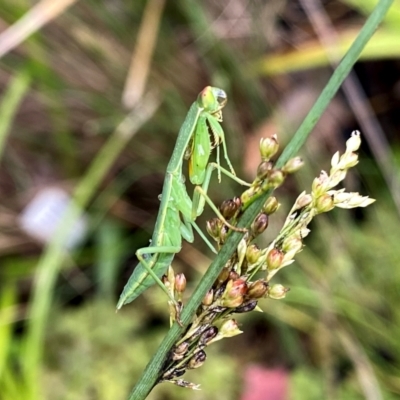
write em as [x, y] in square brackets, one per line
[152, 371]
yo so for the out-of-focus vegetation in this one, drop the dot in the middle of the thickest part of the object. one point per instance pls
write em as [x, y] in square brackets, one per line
[67, 89]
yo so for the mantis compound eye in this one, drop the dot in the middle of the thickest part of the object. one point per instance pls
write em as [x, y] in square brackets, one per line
[221, 96]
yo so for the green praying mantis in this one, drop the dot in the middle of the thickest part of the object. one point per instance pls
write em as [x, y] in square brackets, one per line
[177, 212]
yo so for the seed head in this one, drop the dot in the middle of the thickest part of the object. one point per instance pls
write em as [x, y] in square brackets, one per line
[271, 205]
[269, 147]
[260, 224]
[277, 291]
[274, 259]
[257, 289]
[293, 165]
[197, 360]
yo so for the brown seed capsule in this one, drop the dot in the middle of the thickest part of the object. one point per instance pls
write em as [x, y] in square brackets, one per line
[179, 352]
[197, 360]
[264, 169]
[209, 334]
[223, 235]
[230, 207]
[213, 227]
[257, 289]
[182, 348]
[260, 224]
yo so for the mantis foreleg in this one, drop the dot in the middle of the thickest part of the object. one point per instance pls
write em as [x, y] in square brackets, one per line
[200, 192]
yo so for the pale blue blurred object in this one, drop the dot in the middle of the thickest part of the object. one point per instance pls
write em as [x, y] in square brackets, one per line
[42, 215]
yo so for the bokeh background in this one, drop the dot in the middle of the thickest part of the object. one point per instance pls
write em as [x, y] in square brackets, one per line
[92, 97]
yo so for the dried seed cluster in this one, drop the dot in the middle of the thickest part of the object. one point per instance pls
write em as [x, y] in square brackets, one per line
[236, 290]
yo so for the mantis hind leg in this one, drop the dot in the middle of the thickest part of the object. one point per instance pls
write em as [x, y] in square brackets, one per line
[141, 255]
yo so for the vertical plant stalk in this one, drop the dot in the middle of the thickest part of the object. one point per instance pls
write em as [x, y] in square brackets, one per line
[142, 55]
[55, 253]
[10, 102]
[152, 371]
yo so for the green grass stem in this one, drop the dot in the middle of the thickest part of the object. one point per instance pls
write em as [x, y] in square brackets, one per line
[10, 103]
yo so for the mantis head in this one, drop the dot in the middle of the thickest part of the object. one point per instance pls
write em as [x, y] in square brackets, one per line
[212, 99]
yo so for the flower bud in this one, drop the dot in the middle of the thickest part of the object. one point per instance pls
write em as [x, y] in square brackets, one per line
[276, 178]
[353, 144]
[264, 169]
[324, 203]
[274, 259]
[349, 160]
[260, 224]
[180, 283]
[208, 298]
[271, 205]
[351, 200]
[229, 208]
[336, 177]
[208, 335]
[257, 289]
[230, 328]
[320, 185]
[293, 165]
[302, 201]
[277, 291]
[235, 288]
[246, 307]
[253, 253]
[269, 147]
[292, 244]
[197, 360]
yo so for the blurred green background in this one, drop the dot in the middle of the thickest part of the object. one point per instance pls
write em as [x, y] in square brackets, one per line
[92, 97]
